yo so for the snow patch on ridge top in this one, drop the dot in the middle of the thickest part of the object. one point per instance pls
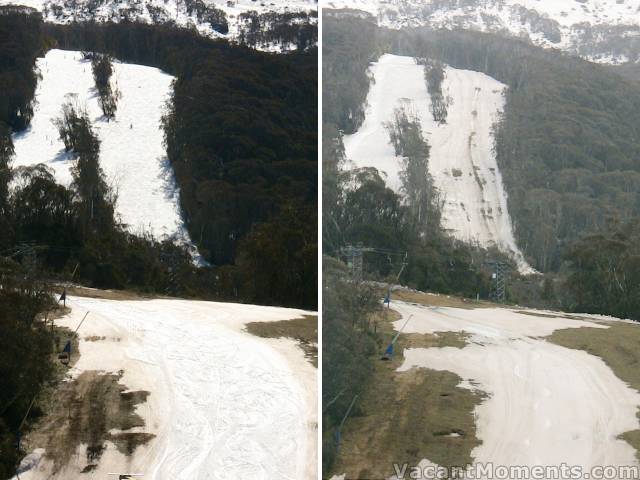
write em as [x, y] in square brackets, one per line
[132, 154]
[462, 162]
[593, 29]
[191, 14]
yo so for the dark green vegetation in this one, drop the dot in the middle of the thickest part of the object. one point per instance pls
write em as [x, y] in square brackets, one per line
[357, 205]
[25, 350]
[215, 17]
[420, 408]
[605, 273]
[349, 345]
[241, 135]
[304, 330]
[102, 68]
[19, 48]
[292, 29]
[567, 145]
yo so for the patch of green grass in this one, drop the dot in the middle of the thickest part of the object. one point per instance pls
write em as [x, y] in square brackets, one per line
[405, 417]
[618, 348]
[304, 330]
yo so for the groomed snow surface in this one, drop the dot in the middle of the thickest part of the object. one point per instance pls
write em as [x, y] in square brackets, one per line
[132, 154]
[547, 405]
[462, 162]
[223, 404]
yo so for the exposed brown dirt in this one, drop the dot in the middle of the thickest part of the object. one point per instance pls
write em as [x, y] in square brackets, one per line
[86, 411]
[405, 417]
[304, 330]
[430, 299]
[79, 291]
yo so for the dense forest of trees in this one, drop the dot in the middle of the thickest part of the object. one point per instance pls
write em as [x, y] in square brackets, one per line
[25, 349]
[357, 205]
[567, 142]
[25, 345]
[241, 135]
[293, 30]
[347, 312]
[605, 272]
[102, 68]
[240, 132]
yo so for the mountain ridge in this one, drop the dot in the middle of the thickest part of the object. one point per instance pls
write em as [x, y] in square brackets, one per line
[603, 31]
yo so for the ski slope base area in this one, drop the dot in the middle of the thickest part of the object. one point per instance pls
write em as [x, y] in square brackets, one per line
[132, 154]
[546, 404]
[461, 161]
[223, 404]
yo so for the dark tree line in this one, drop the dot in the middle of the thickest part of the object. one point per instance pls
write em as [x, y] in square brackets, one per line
[95, 199]
[567, 142]
[25, 349]
[605, 272]
[102, 68]
[20, 43]
[289, 29]
[434, 76]
[348, 350]
[215, 17]
[358, 207]
[241, 137]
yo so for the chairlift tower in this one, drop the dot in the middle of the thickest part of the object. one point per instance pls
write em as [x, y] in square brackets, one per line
[29, 259]
[353, 254]
[499, 281]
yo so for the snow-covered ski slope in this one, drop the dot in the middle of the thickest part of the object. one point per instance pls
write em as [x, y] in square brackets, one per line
[132, 154]
[223, 404]
[462, 162]
[546, 404]
[566, 24]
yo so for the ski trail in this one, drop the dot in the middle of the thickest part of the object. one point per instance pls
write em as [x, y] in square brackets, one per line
[462, 161]
[224, 404]
[132, 154]
[547, 405]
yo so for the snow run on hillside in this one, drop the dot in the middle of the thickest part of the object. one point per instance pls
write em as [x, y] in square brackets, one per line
[545, 404]
[223, 403]
[132, 154]
[599, 30]
[462, 162]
